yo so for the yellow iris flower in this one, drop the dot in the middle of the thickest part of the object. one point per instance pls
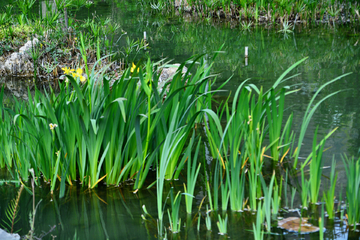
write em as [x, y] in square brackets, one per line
[67, 70]
[78, 74]
[79, 71]
[82, 78]
[133, 68]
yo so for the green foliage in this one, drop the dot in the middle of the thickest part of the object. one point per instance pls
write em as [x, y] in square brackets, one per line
[208, 219]
[222, 224]
[192, 174]
[257, 227]
[266, 209]
[310, 110]
[329, 195]
[305, 188]
[315, 170]
[12, 212]
[277, 10]
[175, 221]
[352, 168]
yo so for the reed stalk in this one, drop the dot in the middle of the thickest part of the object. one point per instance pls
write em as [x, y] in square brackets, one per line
[208, 219]
[309, 112]
[293, 193]
[175, 221]
[267, 200]
[222, 224]
[192, 174]
[304, 190]
[321, 223]
[275, 117]
[329, 195]
[315, 170]
[276, 200]
[257, 227]
[352, 168]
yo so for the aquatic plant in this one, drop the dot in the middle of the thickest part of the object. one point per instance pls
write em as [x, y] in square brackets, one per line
[309, 112]
[305, 188]
[208, 219]
[316, 169]
[293, 192]
[266, 209]
[172, 139]
[235, 183]
[175, 221]
[192, 173]
[214, 204]
[274, 113]
[225, 192]
[222, 224]
[321, 223]
[286, 27]
[329, 195]
[245, 26]
[285, 189]
[12, 213]
[352, 168]
[257, 226]
[276, 199]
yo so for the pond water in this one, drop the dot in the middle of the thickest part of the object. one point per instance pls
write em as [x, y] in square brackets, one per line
[115, 213]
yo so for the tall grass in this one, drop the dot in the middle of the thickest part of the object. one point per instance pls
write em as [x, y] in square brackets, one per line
[315, 170]
[352, 168]
[305, 189]
[90, 133]
[257, 226]
[329, 195]
[175, 221]
[309, 112]
[192, 174]
[222, 224]
[266, 209]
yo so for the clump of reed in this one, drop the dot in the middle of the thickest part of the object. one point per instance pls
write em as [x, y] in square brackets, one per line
[352, 168]
[89, 132]
[99, 130]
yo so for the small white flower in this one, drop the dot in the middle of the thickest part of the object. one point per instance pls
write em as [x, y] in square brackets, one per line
[52, 126]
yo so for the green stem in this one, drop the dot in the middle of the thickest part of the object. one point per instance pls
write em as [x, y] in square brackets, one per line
[148, 127]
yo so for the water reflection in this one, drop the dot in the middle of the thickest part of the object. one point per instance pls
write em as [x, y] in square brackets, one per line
[114, 213]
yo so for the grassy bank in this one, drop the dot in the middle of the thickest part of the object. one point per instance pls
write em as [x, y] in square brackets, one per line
[63, 40]
[265, 11]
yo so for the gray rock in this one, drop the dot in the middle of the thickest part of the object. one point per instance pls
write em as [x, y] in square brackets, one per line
[182, 4]
[18, 62]
[8, 236]
[26, 49]
[168, 73]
